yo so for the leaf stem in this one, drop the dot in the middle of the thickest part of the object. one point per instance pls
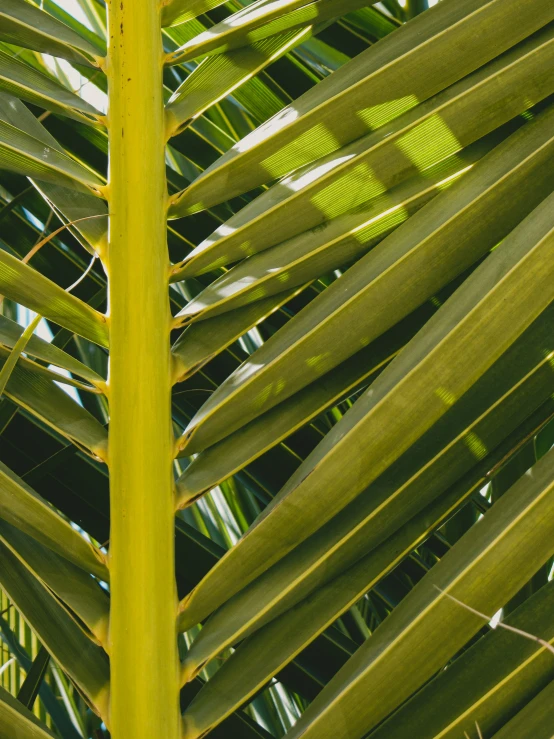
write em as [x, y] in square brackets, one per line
[144, 692]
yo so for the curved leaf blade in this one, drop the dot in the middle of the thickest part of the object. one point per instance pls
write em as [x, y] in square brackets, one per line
[364, 170]
[179, 11]
[451, 40]
[327, 247]
[72, 585]
[483, 569]
[74, 204]
[429, 250]
[535, 720]
[27, 83]
[26, 25]
[26, 363]
[219, 76]
[198, 345]
[85, 662]
[10, 331]
[218, 462]
[486, 315]
[516, 384]
[16, 720]
[265, 652]
[28, 156]
[259, 21]
[25, 285]
[486, 683]
[44, 399]
[27, 511]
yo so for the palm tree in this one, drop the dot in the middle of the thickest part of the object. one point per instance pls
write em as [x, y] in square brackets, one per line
[281, 275]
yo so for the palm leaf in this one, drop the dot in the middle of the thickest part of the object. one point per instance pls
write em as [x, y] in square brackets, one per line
[330, 246]
[21, 80]
[360, 256]
[318, 123]
[27, 286]
[71, 584]
[413, 249]
[84, 661]
[26, 510]
[219, 76]
[14, 717]
[261, 655]
[443, 455]
[534, 720]
[29, 690]
[10, 331]
[474, 570]
[25, 25]
[260, 20]
[420, 385]
[489, 681]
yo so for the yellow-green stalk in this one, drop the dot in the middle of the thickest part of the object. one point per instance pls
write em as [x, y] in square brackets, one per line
[144, 688]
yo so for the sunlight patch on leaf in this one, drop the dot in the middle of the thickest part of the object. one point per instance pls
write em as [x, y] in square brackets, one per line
[298, 183]
[476, 445]
[281, 120]
[446, 396]
[384, 221]
[378, 115]
[318, 140]
[349, 191]
[429, 142]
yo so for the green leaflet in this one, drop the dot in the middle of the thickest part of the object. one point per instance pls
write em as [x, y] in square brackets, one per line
[59, 716]
[10, 331]
[28, 156]
[18, 721]
[265, 652]
[420, 138]
[485, 684]
[25, 285]
[329, 246]
[26, 25]
[95, 14]
[483, 318]
[483, 569]
[516, 384]
[85, 662]
[23, 508]
[13, 356]
[258, 21]
[179, 11]
[254, 94]
[220, 461]
[535, 720]
[21, 80]
[453, 39]
[28, 692]
[435, 245]
[372, 22]
[31, 366]
[218, 76]
[72, 585]
[44, 399]
[198, 344]
[71, 202]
